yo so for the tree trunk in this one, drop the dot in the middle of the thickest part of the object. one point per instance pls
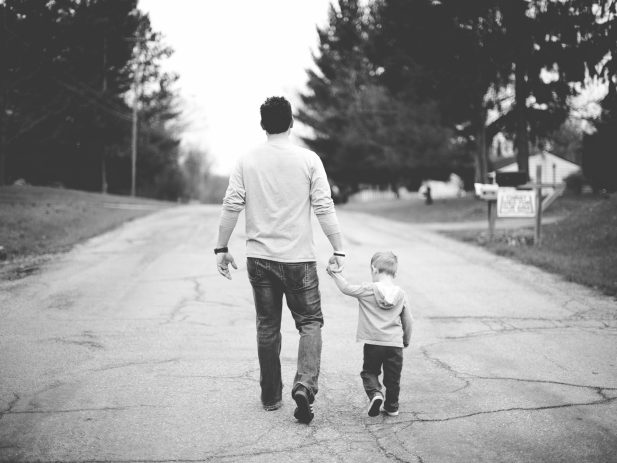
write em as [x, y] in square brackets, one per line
[104, 171]
[520, 36]
[481, 155]
[522, 134]
[3, 85]
[3, 149]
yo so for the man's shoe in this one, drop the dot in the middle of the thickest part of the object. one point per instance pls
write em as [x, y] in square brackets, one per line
[375, 404]
[304, 410]
[389, 412]
[273, 406]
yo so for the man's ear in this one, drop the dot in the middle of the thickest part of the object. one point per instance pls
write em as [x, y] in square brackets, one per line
[262, 124]
[292, 123]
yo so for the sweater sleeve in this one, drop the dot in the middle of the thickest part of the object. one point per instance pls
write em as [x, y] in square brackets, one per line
[235, 196]
[349, 289]
[321, 199]
[407, 322]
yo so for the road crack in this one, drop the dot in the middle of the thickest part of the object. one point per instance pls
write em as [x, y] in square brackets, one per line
[76, 410]
[9, 409]
[444, 366]
[512, 409]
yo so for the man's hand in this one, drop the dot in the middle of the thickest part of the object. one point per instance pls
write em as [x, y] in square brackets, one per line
[336, 263]
[223, 259]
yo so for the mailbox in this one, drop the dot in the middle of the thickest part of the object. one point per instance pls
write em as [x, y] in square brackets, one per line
[511, 178]
[486, 191]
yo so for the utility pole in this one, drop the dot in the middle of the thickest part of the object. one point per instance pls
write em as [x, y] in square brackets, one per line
[104, 146]
[4, 108]
[136, 89]
[134, 133]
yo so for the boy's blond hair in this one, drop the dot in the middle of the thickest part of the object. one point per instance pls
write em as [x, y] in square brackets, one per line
[385, 262]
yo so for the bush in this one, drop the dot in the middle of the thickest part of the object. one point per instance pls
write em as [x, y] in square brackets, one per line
[575, 182]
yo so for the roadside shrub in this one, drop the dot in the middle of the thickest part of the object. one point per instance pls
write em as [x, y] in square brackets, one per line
[574, 182]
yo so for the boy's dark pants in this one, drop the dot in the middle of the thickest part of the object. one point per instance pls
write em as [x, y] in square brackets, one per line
[299, 283]
[391, 358]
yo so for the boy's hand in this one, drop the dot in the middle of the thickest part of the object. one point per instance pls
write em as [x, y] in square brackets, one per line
[223, 259]
[336, 263]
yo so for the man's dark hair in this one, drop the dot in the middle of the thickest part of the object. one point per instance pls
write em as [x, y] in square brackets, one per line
[276, 115]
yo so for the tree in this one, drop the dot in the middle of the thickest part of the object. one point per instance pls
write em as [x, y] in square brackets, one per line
[599, 153]
[363, 130]
[464, 54]
[553, 45]
[66, 79]
[567, 141]
[446, 52]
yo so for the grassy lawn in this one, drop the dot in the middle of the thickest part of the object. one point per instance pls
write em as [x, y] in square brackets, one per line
[415, 211]
[467, 209]
[581, 247]
[38, 221]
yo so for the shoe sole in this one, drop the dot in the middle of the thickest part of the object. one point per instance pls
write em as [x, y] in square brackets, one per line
[272, 407]
[375, 405]
[389, 413]
[303, 413]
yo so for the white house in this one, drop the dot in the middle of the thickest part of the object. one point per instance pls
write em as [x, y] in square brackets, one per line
[554, 168]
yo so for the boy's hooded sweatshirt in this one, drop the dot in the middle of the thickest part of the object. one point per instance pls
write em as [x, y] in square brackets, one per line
[384, 318]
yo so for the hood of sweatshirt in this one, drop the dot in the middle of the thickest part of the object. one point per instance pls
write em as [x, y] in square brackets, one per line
[388, 296]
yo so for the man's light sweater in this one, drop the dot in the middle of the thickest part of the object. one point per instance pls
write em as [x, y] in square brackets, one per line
[277, 183]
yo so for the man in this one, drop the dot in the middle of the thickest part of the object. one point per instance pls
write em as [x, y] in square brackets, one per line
[277, 183]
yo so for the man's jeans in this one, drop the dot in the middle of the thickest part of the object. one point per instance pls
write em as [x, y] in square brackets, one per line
[391, 359]
[300, 285]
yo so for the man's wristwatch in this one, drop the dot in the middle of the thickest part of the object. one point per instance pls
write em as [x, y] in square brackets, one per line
[339, 254]
[219, 250]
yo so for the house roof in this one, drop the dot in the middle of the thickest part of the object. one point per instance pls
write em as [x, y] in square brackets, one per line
[500, 163]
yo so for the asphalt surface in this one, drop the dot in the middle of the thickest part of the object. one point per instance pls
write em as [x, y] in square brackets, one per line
[131, 347]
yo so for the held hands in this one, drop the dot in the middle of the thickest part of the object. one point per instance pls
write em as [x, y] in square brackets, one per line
[335, 265]
[223, 260]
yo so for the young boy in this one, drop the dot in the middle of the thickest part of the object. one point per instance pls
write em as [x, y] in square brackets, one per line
[384, 326]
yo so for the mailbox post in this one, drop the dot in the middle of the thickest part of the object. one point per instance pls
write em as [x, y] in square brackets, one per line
[488, 192]
[537, 236]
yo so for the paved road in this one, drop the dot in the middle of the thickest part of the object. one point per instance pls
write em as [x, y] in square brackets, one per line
[132, 348]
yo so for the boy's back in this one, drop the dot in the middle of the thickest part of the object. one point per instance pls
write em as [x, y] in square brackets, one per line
[384, 318]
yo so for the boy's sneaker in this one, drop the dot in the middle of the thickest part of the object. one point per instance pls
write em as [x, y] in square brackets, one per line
[389, 412]
[374, 404]
[304, 410]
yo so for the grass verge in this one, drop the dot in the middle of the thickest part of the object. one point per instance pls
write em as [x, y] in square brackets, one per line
[581, 247]
[416, 211]
[36, 222]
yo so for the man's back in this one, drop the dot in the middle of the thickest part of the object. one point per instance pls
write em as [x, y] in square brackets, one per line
[277, 183]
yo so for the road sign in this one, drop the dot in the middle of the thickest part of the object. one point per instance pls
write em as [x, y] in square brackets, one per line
[516, 203]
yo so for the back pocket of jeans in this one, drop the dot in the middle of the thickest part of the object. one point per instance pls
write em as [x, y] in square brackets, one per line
[300, 276]
[254, 268]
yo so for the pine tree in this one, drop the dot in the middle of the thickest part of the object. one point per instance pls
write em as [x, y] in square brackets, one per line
[365, 132]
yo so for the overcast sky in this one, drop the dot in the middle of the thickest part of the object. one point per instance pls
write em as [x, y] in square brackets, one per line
[232, 55]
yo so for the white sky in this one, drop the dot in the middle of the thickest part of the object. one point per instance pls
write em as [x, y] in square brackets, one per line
[232, 55]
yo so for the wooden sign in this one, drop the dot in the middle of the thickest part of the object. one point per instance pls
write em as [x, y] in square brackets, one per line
[516, 203]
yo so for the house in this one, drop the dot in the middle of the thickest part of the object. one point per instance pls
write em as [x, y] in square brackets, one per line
[554, 168]
[453, 188]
